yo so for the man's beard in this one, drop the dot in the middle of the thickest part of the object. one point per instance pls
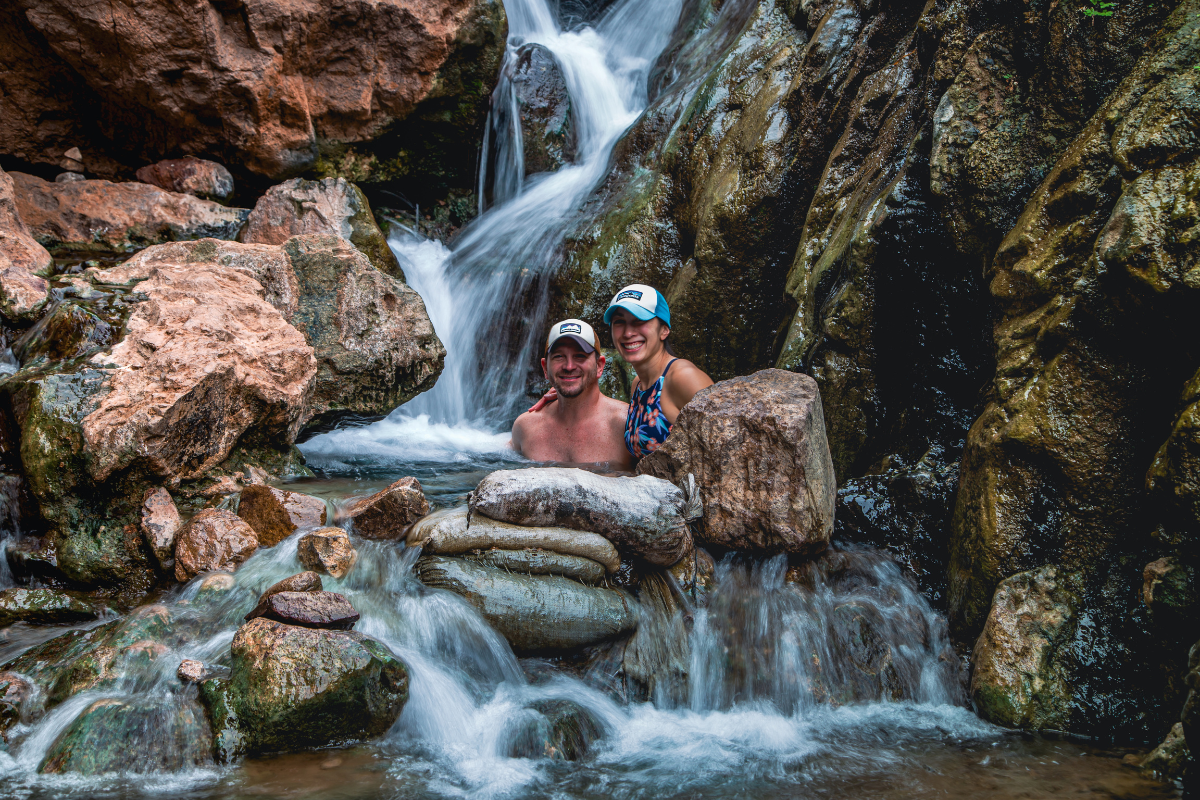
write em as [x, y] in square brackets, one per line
[578, 390]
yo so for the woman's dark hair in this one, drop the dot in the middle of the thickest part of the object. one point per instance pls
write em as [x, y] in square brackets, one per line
[667, 342]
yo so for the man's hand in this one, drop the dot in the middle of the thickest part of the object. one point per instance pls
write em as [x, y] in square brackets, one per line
[545, 400]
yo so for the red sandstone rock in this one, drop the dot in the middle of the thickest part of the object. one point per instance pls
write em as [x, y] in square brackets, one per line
[189, 175]
[214, 539]
[99, 215]
[204, 360]
[22, 290]
[276, 514]
[160, 525]
[387, 514]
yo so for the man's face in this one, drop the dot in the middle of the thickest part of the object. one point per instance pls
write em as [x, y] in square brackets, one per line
[570, 369]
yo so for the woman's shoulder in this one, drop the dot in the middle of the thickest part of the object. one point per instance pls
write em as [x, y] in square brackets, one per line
[684, 379]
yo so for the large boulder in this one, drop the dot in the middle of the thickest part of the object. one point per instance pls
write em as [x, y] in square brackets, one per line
[214, 539]
[207, 180]
[327, 551]
[1016, 681]
[757, 448]
[331, 205]
[270, 86]
[43, 607]
[644, 515]
[544, 107]
[23, 261]
[535, 613]
[293, 688]
[388, 513]
[117, 217]
[275, 514]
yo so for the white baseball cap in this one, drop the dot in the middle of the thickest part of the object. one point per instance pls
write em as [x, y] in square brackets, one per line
[575, 329]
[644, 302]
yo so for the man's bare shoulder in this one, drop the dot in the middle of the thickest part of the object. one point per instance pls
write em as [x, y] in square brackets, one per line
[530, 421]
[614, 407]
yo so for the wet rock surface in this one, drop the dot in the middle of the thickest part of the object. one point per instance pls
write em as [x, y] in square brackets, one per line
[207, 180]
[758, 451]
[535, 561]
[330, 206]
[214, 539]
[23, 261]
[535, 613]
[300, 582]
[388, 513]
[43, 607]
[327, 551]
[308, 609]
[276, 514]
[118, 217]
[293, 688]
[644, 515]
[160, 525]
[544, 107]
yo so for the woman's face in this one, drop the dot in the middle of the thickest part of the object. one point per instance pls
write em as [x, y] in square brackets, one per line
[635, 340]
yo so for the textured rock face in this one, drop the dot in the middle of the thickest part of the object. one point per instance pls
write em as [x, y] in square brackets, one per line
[214, 539]
[160, 525]
[758, 450]
[118, 217]
[388, 513]
[290, 79]
[333, 206]
[42, 607]
[308, 609]
[300, 582]
[275, 514]
[207, 180]
[1017, 681]
[327, 551]
[547, 130]
[22, 260]
[293, 688]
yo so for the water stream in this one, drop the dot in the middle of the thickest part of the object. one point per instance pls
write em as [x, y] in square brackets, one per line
[834, 679]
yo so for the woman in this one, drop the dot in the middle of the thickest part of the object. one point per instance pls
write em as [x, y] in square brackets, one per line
[641, 324]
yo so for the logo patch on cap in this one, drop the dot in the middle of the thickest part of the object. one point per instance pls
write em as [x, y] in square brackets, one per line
[569, 327]
[633, 293]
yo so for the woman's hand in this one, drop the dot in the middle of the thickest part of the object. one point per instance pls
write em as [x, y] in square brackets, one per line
[545, 400]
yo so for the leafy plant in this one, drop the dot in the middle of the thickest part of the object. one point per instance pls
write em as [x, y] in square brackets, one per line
[1098, 8]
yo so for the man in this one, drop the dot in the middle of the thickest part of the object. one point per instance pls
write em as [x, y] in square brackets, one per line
[584, 426]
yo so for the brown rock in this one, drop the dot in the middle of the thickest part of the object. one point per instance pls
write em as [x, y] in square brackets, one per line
[160, 525]
[189, 175]
[214, 539]
[308, 610]
[203, 361]
[330, 206]
[327, 550]
[276, 514]
[388, 513]
[259, 85]
[757, 448]
[192, 671]
[117, 217]
[16, 691]
[300, 582]
[22, 290]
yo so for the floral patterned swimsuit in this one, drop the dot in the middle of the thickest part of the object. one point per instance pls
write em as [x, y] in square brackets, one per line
[646, 426]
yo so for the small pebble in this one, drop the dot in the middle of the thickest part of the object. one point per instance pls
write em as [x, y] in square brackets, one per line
[332, 762]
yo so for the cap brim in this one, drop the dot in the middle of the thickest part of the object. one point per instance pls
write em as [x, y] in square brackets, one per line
[641, 312]
[579, 340]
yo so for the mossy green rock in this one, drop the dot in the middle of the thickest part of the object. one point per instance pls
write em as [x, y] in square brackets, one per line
[136, 736]
[42, 607]
[294, 688]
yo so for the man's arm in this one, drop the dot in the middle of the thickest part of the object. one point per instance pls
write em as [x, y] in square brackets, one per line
[518, 433]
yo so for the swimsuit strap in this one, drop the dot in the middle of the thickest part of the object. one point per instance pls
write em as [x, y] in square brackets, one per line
[646, 426]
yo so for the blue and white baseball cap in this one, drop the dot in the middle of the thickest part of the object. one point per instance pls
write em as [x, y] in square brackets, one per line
[644, 302]
[575, 329]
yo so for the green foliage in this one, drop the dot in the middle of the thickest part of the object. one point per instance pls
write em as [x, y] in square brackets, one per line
[1098, 8]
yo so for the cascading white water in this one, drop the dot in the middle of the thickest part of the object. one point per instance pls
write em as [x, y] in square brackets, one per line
[489, 287]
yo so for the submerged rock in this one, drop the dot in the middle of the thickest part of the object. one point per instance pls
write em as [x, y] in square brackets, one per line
[312, 609]
[330, 206]
[23, 290]
[757, 448]
[388, 513]
[43, 607]
[160, 525]
[643, 515]
[293, 688]
[214, 539]
[553, 728]
[207, 180]
[534, 613]
[1172, 759]
[275, 514]
[328, 551]
[140, 736]
[455, 531]
[118, 217]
